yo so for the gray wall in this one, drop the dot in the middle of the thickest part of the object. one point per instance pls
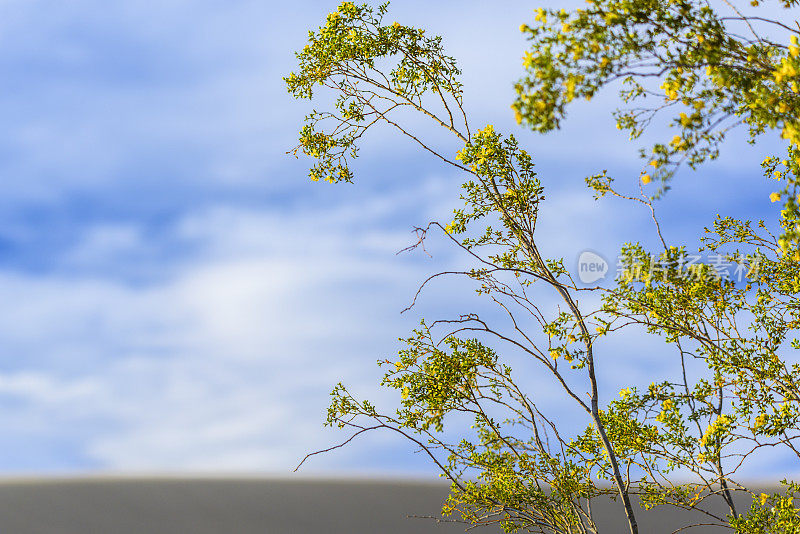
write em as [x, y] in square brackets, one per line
[244, 506]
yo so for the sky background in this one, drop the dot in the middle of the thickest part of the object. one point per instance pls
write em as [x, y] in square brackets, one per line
[177, 296]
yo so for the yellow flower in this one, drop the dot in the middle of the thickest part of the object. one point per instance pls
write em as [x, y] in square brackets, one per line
[760, 421]
[670, 92]
[405, 393]
[396, 25]
[625, 392]
[786, 70]
[774, 197]
[527, 60]
[791, 132]
[764, 498]
[645, 179]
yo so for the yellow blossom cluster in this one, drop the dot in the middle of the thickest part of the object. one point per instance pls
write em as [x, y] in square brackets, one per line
[761, 420]
[719, 425]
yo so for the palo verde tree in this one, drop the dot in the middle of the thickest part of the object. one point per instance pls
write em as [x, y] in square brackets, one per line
[677, 443]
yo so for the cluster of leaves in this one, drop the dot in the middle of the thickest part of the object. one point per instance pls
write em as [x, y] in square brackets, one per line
[504, 181]
[712, 78]
[787, 170]
[519, 481]
[771, 513]
[742, 333]
[347, 55]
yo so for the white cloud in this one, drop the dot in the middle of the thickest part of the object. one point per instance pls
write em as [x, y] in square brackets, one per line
[225, 362]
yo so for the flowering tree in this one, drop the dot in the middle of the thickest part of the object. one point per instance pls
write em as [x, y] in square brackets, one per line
[677, 443]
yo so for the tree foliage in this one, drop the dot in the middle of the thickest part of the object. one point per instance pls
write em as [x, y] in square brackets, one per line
[678, 442]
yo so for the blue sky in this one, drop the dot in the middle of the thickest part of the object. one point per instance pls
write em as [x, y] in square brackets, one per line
[178, 297]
